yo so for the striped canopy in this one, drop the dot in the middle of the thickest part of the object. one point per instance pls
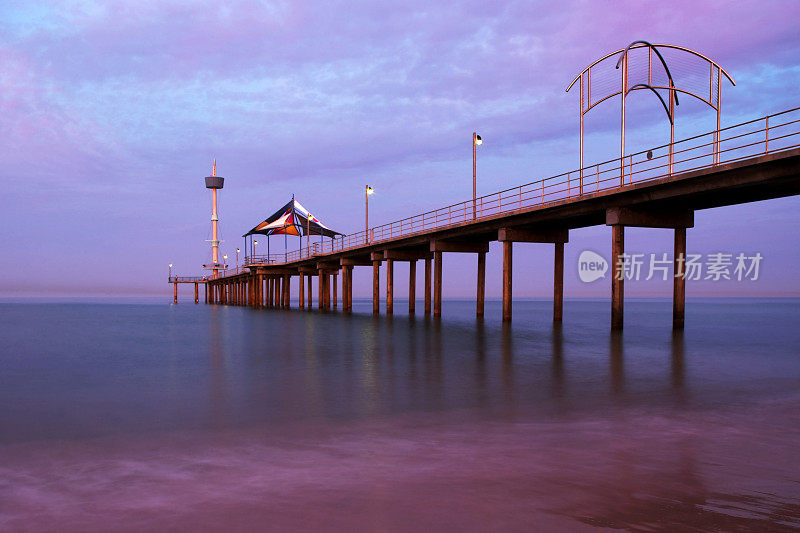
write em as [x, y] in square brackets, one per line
[292, 219]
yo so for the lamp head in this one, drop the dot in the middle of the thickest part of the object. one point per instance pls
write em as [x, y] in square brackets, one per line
[170, 265]
[478, 140]
[237, 250]
[369, 190]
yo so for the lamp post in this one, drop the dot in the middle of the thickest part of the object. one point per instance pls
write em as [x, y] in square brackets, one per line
[476, 141]
[367, 192]
[237, 260]
[225, 263]
[170, 271]
[254, 250]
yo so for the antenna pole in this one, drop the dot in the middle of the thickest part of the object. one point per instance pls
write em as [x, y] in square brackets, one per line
[214, 182]
[214, 227]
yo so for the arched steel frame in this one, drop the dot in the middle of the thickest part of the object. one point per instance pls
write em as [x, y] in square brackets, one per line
[585, 79]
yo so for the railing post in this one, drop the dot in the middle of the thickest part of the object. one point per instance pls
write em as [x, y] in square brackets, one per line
[630, 168]
[766, 135]
[597, 168]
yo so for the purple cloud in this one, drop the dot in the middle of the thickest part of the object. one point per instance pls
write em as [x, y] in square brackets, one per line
[112, 111]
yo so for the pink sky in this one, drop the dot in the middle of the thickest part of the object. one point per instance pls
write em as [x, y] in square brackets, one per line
[112, 111]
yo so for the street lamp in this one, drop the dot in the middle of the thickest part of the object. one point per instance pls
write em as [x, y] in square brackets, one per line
[225, 263]
[237, 260]
[367, 192]
[476, 141]
[170, 270]
[254, 250]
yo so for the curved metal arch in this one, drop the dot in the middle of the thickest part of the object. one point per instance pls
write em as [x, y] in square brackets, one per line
[663, 63]
[676, 89]
[659, 45]
[663, 103]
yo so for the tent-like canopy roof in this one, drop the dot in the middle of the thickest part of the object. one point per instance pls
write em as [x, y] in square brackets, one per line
[292, 219]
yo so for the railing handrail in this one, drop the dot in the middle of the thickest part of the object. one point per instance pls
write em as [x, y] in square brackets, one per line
[587, 180]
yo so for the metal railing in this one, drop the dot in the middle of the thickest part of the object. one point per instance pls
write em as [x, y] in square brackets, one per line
[187, 279]
[266, 259]
[765, 135]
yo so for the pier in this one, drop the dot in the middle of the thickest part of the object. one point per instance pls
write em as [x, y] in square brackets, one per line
[658, 188]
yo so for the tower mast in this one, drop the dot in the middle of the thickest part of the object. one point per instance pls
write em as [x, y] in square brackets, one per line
[214, 183]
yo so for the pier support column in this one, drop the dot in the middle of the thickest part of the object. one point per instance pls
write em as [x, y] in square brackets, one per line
[376, 287]
[196, 293]
[437, 284]
[310, 293]
[427, 298]
[335, 290]
[679, 281]
[535, 234]
[347, 288]
[438, 247]
[175, 293]
[508, 249]
[412, 286]
[327, 280]
[644, 217]
[558, 282]
[344, 289]
[320, 291]
[389, 286]
[277, 283]
[617, 278]
[301, 298]
[287, 291]
[481, 288]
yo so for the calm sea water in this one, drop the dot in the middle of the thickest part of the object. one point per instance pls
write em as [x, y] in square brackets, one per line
[192, 417]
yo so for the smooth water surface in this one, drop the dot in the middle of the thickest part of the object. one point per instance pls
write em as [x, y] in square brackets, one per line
[194, 417]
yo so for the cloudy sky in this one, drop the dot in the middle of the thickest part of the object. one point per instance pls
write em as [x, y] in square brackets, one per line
[112, 111]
